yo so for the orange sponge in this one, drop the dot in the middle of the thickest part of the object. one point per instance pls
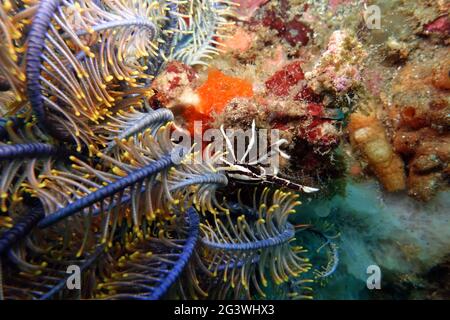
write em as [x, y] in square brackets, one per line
[219, 89]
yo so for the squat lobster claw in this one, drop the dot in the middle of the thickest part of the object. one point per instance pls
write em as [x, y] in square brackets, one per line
[253, 170]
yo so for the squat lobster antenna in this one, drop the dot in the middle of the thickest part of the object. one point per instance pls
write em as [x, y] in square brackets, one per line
[228, 142]
[252, 141]
[309, 189]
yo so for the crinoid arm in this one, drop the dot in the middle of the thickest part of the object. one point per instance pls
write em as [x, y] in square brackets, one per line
[134, 122]
[244, 251]
[195, 42]
[146, 270]
[21, 154]
[94, 178]
[80, 52]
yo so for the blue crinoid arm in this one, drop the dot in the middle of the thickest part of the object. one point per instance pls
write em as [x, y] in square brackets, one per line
[168, 36]
[233, 243]
[332, 253]
[131, 123]
[84, 265]
[154, 265]
[20, 229]
[195, 41]
[77, 58]
[15, 161]
[184, 257]
[27, 150]
[110, 190]
[145, 276]
[36, 43]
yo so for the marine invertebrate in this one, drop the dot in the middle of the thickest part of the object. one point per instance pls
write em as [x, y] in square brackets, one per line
[174, 85]
[13, 163]
[210, 98]
[62, 55]
[194, 44]
[138, 274]
[25, 149]
[438, 28]
[253, 168]
[131, 266]
[115, 203]
[322, 240]
[127, 124]
[82, 64]
[20, 229]
[234, 242]
[121, 200]
[219, 89]
[13, 21]
[368, 135]
[143, 185]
